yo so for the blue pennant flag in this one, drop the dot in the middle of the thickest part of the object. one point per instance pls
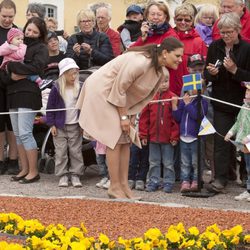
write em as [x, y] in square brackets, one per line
[192, 82]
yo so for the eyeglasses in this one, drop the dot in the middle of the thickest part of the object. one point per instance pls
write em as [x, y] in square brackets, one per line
[86, 21]
[183, 19]
[228, 33]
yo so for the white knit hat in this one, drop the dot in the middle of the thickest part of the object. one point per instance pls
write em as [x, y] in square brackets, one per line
[66, 64]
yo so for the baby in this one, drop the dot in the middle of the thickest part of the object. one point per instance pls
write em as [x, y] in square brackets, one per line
[14, 50]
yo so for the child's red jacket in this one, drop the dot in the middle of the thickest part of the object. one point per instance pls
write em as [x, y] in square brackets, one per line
[156, 121]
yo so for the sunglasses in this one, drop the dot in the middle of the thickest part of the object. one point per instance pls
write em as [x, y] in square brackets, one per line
[183, 19]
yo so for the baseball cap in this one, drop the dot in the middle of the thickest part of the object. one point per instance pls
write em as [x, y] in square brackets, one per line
[134, 8]
[196, 59]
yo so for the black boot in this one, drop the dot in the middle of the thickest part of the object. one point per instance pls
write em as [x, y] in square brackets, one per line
[2, 167]
[12, 167]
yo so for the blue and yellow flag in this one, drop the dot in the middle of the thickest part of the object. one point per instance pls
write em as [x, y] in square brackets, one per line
[192, 82]
[206, 127]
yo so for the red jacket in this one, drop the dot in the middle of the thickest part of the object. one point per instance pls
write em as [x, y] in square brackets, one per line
[115, 41]
[245, 30]
[193, 44]
[156, 121]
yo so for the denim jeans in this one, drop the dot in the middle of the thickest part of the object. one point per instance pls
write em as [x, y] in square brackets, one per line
[189, 161]
[138, 164]
[247, 160]
[101, 162]
[161, 154]
[22, 124]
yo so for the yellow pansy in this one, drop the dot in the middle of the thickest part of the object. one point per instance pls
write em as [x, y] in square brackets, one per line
[194, 231]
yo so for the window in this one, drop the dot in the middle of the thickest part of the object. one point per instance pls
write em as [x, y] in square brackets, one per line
[51, 10]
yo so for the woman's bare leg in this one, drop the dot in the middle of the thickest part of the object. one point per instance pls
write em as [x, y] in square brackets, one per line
[11, 139]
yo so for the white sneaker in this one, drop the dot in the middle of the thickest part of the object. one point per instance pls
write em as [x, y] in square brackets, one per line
[106, 185]
[75, 180]
[102, 182]
[64, 181]
[243, 196]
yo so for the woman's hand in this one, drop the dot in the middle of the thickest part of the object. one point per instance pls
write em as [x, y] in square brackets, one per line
[144, 31]
[212, 70]
[125, 125]
[77, 48]
[54, 131]
[230, 65]
[16, 77]
[87, 48]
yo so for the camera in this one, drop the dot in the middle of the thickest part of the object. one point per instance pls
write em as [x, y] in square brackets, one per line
[218, 64]
[152, 26]
[59, 32]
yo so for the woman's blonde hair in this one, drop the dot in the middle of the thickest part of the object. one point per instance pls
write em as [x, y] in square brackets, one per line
[185, 9]
[162, 5]
[62, 86]
[207, 9]
[230, 20]
[89, 14]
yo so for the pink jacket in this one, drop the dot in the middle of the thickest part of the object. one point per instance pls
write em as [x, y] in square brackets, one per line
[12, 53]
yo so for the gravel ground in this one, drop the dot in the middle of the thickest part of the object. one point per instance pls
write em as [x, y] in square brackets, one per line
[47, 187]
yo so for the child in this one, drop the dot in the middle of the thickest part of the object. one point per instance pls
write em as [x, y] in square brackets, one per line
[204, 22]
[186, 114]
[138, 163]
[14, 50]
[158, 128]
[130, 30]
[241, 130]
[64, 125]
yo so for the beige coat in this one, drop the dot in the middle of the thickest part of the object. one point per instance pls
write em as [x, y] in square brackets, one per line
[128, 81]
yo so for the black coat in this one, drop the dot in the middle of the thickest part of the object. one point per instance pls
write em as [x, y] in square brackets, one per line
[226, 86]
[25, 93]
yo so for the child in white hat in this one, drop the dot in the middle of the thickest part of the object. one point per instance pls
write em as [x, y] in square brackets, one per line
[65, 129]
[14, 50]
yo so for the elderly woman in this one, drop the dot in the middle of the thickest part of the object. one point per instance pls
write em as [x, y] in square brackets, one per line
[89, 47]
[226, 67]
[123, 89]
[193, 43]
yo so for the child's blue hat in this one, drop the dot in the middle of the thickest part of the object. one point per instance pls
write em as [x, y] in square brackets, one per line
[134, 8]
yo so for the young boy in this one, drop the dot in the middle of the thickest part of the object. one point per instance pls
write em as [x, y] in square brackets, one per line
[130, 30]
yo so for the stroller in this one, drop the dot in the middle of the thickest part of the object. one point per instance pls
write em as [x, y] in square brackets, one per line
[46, 161]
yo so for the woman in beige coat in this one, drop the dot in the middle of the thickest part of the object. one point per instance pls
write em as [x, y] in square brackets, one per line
[115, 93]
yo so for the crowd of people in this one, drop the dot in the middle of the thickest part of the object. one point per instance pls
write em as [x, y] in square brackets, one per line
[138, 144]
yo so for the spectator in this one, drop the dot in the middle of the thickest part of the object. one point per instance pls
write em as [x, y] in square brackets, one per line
[186, 114]
[238, 7]
[7, 15]
[89, 47]
[193, 44]
[241, 130]
[64, 125]
[158, 128]
[103, 18]
[23, 95]
[204, 22]
[232, 54]
[61, 34]
[130, 30]
[35, 10]
[126, 88]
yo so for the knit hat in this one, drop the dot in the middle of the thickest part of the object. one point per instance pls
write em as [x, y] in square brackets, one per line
[195, 59]
[134, 8]
[66, 64]
[51, 34]
[13, 32]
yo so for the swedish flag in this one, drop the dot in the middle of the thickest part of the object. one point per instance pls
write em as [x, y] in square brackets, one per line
[192, 82]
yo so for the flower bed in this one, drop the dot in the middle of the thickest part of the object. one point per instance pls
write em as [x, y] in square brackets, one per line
[50, 237]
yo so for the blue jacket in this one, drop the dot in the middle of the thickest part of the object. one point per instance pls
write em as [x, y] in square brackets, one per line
[187, 115]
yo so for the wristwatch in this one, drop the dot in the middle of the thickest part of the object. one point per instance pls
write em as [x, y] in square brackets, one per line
[124, 117]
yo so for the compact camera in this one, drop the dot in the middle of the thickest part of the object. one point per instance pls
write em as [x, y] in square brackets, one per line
[59, 32]
[218, 64]
[152, 26]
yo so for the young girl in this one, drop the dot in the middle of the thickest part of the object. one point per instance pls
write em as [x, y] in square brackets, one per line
[205, 20]
[241, 130]
[158, 128]
[13, 50]
[65, 129]
[186, 115]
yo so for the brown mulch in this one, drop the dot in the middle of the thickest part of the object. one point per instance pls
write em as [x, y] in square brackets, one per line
[118, 218]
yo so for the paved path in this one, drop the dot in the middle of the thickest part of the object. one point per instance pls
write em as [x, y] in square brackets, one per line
[47, 187]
